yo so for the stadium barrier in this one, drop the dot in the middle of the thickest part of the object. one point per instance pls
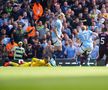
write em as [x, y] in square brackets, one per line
[68, 62]
[74, 62]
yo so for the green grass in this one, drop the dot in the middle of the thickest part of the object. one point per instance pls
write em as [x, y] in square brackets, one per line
[55, 78]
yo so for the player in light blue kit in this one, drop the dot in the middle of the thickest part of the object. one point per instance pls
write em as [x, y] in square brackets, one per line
[57, 32]
[86, 41]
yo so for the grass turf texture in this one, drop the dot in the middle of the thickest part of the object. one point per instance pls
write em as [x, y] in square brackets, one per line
[53, 78]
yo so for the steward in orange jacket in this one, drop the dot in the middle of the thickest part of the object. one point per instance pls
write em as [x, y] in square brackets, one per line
[32, 33]
[9, 47]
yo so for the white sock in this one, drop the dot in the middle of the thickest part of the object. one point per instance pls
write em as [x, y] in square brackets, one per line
[106, 65]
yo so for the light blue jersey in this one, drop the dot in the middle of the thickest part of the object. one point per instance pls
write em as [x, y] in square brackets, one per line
[85, 38]
[58, 27]
[56, 38]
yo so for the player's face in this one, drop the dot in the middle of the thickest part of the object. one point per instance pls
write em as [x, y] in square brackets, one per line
[48, 59]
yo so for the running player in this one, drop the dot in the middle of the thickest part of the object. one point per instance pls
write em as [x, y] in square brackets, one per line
[85, 37]
[103, 46]
[57, 32]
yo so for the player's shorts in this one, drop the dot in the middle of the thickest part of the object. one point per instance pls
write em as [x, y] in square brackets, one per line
[88, 49]
[56, 42]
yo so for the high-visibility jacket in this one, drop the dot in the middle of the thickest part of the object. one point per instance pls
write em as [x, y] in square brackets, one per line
[9, 47]
[32, 33]
[37, 11]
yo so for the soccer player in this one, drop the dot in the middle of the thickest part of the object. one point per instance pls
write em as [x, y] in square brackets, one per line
[35, 63]
[85, 37]
[103, 46]
[39, 62]
[57, 32]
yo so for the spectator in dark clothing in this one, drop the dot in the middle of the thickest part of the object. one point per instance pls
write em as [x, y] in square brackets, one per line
[38, 51]
[15, 13]
[30, 52]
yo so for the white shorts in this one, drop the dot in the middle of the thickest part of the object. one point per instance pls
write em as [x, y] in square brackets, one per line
[84, 49]
[56, 42]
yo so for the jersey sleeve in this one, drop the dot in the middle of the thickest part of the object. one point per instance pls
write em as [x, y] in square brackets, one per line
[90, 32]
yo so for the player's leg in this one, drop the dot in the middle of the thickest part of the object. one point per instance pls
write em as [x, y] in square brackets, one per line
[88, 52]
[106, 61]
[80, 55]
[101, 54]
[13, 64]
[58, 45]
[26, 64]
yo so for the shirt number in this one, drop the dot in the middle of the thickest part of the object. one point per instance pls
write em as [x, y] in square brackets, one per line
[102, 41]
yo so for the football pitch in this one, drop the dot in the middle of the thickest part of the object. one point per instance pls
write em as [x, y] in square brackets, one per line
[53, 78]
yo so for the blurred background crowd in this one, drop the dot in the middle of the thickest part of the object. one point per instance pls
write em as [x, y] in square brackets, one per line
[28, 24]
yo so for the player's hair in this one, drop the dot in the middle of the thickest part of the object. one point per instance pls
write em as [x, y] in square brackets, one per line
[46, 57]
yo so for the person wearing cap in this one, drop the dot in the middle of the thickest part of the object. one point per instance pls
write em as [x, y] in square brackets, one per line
[19, 52]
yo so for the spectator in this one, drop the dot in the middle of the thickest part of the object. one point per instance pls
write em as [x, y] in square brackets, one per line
[70, 51]
[66, 29]
[38, 48]
[40, 29]
[48, 50]
[65, 7]
[19, 52]
[9, 47]
[30, 52]
[18, 34]
[32, 31]
[15, 12]
[21, 20]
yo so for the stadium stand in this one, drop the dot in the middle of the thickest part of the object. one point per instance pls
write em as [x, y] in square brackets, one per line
[44, 30]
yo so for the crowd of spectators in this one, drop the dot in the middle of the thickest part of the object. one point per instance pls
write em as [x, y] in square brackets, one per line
[20, 25]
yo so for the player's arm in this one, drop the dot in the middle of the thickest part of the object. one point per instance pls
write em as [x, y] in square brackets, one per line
[94, 33]
[14, 64]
